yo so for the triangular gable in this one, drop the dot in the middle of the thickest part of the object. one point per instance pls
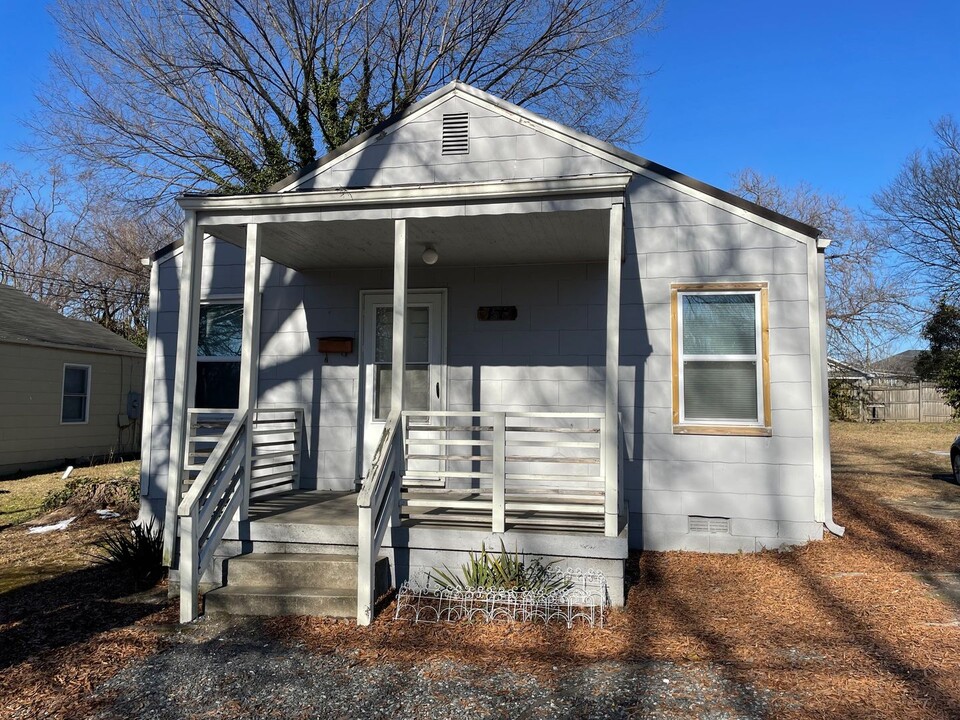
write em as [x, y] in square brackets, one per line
[512, 143]
[410, 150]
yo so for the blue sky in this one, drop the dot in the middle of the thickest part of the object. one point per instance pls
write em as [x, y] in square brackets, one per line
[834, 93]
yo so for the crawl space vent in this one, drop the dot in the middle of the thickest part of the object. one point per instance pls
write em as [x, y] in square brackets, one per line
[709, 525]
[456, 134]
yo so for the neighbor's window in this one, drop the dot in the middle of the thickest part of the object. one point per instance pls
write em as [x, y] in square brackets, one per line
[218, 355]
[720, 367]
[75, 407]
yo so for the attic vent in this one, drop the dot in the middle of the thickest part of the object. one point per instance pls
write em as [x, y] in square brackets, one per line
[456, 134]
[709, 525]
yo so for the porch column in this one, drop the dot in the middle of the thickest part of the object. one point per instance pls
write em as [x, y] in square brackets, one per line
[185, 376]
[399, 315]
[250, 353]
[611, 432]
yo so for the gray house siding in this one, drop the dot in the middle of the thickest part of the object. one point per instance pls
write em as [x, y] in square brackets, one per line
[552, 356]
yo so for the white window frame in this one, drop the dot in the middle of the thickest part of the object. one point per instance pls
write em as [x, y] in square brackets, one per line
[762, 424]
[87, 393]
[217, 300]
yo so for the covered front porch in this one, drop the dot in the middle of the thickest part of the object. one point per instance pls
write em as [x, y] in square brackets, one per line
[457, 462]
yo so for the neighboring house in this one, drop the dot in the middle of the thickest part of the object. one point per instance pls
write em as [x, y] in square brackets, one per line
[600, 354]
[70, 390]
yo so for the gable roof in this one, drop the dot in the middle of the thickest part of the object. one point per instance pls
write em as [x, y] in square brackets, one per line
[290, 183]
[25, 321]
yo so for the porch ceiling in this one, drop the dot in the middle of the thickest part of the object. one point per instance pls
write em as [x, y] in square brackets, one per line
[491, 239]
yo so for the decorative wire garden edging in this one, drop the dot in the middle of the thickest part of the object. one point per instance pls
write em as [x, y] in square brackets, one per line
[585, 599]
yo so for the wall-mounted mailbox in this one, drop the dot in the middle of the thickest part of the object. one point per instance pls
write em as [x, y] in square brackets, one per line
[342, 345]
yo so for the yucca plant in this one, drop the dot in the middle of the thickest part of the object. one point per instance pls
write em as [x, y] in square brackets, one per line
[501, 571]
[137, 552]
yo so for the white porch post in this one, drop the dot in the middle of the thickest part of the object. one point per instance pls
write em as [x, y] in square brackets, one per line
[250, 353]
[185, 376]
[399, 315]
[611, 413]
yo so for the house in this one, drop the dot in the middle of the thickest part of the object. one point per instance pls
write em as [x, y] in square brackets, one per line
[599, 354]
[70, 390]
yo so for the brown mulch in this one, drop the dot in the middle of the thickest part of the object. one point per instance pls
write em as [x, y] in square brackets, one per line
[839, 628]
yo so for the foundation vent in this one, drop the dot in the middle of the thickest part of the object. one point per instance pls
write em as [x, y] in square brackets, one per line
[708, 525]
[456, 134]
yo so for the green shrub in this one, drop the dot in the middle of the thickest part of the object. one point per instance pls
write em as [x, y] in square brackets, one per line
[501, 571]
[137, 553]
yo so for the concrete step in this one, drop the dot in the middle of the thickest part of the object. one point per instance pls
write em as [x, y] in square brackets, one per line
[292, 584]
[240, 600]
[281, 570]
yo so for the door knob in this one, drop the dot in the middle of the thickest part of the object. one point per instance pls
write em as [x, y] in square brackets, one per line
[438, 391]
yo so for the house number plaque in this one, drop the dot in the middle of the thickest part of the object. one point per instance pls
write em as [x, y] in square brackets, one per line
[497, 312]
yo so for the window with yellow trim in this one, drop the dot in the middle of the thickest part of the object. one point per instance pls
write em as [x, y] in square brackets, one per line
[720, 368]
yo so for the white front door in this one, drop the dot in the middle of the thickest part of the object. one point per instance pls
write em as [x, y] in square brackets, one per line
[425, 349]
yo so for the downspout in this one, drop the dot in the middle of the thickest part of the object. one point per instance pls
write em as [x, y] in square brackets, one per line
[822, 471]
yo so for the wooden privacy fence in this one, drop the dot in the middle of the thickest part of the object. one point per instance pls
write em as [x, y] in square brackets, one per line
[909, 402]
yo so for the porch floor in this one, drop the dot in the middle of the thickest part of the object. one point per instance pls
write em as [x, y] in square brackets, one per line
[330, 508]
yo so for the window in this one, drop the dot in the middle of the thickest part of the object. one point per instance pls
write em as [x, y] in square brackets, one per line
[75, 406]
[218, 355]
[721, 369]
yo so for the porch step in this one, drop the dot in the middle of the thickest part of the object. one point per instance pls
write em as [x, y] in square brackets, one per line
[243, 600]
[292, 584]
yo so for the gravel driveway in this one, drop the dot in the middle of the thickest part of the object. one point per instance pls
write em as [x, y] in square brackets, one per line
[231, 669]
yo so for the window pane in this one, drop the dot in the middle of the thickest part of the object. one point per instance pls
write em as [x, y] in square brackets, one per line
[416, 394]
[719, 325]
[720, 390]
[218, 385]
[221, 330]
[418, 335]
[74, 408]
[75, 381]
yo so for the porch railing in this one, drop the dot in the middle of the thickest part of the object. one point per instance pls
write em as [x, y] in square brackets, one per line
[276, 446]
[521, 468]
[377, 504]
[207, 509]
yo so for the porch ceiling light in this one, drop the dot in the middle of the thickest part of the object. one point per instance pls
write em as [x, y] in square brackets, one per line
[430, 255]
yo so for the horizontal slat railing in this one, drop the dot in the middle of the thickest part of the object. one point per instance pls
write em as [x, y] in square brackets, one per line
[377, 505]
[488, 468]
[277, 446]
[207, 509]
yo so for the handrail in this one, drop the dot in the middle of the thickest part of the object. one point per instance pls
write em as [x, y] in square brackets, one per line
[207, 509]
[377, 504]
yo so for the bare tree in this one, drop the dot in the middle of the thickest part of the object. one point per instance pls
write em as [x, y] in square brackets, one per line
[921, 212]
[68, 244]
[868, 306]
[175, 95]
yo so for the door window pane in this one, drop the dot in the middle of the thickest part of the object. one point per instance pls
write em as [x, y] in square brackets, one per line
[416, 392]
[418, 335]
